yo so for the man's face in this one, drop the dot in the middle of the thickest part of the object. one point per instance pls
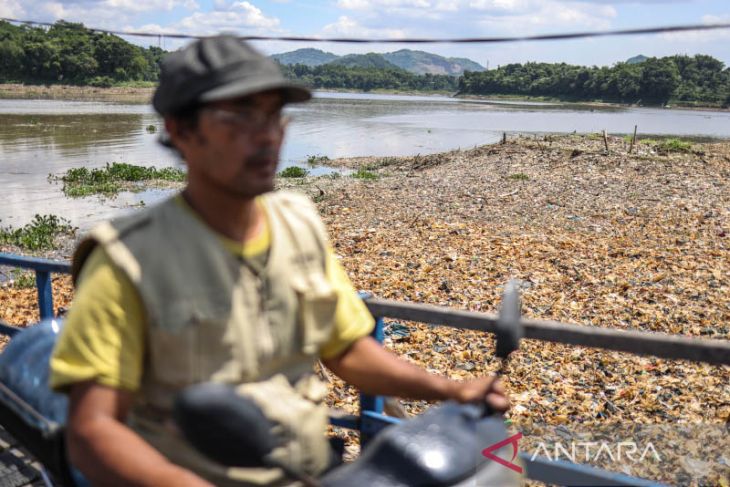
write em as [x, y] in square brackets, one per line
[235, 147]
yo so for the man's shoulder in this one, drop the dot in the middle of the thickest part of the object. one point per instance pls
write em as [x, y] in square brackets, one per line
[288, 198]
[110, 233]
[292, 202]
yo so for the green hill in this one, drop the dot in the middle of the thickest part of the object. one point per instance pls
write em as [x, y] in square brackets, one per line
[421, 62]
[308, 57]
[636, 59]
[369, 60]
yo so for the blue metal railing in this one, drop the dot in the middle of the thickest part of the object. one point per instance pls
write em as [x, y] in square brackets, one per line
[43, 269]
[371, 419]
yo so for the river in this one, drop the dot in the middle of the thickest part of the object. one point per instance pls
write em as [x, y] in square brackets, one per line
[42, 137]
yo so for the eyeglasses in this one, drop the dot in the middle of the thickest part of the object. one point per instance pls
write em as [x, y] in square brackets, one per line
[249, 119]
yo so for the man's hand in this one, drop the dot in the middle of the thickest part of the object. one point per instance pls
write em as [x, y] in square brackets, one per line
[485, 389]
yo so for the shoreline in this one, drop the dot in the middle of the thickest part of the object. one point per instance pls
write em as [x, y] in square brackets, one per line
[139, 94]
[586, 103]
[76, 93]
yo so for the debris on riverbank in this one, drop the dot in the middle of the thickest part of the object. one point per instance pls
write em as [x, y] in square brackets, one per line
[84, 93]
[601, 238]
[611, 239]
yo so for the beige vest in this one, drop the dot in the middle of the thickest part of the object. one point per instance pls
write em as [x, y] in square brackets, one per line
[213, 316]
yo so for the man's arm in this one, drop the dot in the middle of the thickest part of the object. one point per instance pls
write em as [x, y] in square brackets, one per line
[374, 370]
[109, 453]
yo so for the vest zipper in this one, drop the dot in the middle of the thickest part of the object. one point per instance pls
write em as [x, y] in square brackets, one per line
[266, 339]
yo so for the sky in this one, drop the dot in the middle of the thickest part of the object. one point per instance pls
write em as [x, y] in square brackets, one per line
[393, 19]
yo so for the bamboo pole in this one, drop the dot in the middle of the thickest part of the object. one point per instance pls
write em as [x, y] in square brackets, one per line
[633, 139]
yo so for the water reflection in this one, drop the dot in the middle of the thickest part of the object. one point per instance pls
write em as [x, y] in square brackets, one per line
[76, 135]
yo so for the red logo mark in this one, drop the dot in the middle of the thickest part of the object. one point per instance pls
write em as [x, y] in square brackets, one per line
[513, 440]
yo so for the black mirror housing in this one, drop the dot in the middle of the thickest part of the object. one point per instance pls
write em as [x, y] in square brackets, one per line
[226, 427]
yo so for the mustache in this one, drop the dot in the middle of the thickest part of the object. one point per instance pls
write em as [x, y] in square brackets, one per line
[263, 157]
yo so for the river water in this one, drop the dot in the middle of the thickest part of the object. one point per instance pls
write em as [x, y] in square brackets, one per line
[42, 137]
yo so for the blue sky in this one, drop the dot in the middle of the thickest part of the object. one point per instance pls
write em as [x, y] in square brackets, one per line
[420, 18]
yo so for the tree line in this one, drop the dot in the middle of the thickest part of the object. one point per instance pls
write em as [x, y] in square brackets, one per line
[332, 76]
[700, 79]
[71, 54]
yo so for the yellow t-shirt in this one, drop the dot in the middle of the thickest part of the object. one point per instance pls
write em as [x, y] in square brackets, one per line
[103, 337]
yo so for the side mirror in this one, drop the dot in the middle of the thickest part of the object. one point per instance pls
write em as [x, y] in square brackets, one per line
[509, 326]
[223, 425]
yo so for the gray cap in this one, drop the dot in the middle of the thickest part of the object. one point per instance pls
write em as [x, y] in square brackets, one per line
[219, 68]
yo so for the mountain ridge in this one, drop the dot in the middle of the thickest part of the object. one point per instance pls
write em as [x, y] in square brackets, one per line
[417, 62]
[636, 59]
[307, 56]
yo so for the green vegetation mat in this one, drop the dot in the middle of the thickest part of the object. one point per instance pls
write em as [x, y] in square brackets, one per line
[39, 234]
[293, 172]
[364, 174]
[115, 177]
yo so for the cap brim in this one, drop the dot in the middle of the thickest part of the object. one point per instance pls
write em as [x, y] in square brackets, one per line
[292, 92]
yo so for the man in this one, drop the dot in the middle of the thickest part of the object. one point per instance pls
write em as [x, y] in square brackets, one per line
[227, 282]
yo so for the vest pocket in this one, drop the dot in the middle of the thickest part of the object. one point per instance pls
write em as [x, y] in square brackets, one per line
[300, 419]
[173, 355]
[317, 303]
[190, 353]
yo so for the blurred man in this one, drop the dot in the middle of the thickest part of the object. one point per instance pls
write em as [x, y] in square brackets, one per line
[227, 281]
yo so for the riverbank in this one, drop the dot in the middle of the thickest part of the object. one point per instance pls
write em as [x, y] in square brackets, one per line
[570, 101]
[122, 94]
[628, 241]
[143, 94]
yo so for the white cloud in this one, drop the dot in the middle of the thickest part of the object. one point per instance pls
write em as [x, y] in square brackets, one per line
[387, 4]
[702, 36]
[151, 5]
[348, 27]
[447, 5]
[239, 17]
[519, 15]
[354, 4]
[10, 8]
[95, 13]
[405, 9]
[500, 5]
[234, 16]
[460, 18]
[716, 19]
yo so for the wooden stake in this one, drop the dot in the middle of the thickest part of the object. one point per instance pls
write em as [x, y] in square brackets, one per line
[633, 139]
[504, 137]
[605, 139]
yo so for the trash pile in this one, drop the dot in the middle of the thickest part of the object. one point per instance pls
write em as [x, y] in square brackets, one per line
[636, 240]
